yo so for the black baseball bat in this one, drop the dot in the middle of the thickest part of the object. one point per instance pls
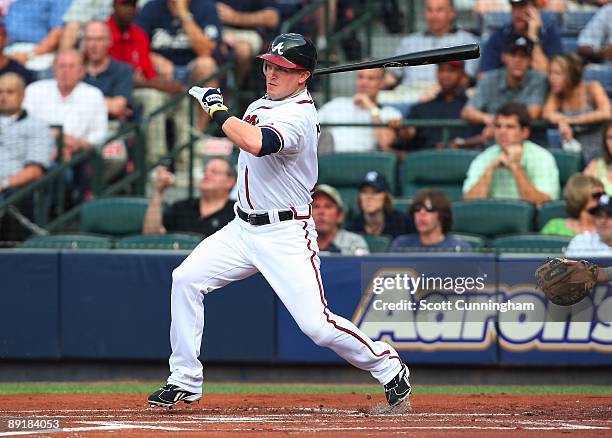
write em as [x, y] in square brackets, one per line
[433, 56]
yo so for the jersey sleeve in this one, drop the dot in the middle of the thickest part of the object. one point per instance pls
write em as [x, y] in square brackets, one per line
[291, 128]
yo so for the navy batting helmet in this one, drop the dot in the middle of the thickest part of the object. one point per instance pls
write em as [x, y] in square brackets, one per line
[292, 50]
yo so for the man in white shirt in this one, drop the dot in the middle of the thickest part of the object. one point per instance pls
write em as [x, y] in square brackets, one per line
[361, 108]
[599, 243]
[67, 101]
[419, 82]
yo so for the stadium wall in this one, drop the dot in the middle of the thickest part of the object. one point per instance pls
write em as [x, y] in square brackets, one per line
[115, 305]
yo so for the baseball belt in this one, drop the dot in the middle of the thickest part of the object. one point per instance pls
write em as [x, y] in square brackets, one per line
[257, 219]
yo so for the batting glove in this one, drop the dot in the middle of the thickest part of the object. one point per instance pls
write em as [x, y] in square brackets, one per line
[210, 99]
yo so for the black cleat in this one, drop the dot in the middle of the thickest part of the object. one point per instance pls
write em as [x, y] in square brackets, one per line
[169, 395]
[398, 389]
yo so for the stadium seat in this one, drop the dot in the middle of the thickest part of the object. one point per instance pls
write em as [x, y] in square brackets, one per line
[345, 171]
[531, 242]
[402, 204]
[601, 73]
[444, 169]
[569, 44]
[493, 217]
[377, 243]
[477, 241]
[69, 241]
[113, 216]
[550, 210]
[568, 163]
[574, 21]
[160, 241]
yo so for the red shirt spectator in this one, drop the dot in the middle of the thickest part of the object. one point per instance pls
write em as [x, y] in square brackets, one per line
[132, 47]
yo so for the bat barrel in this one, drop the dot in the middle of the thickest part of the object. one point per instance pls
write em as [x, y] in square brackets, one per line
[433, 56]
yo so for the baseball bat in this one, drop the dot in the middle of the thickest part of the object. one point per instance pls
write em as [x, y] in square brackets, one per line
[433, 56]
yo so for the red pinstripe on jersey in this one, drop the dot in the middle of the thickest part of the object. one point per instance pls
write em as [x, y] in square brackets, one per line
[326, 310]
[246, 186]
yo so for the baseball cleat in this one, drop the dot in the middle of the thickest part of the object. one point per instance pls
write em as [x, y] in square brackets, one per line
[398, 389]
[169, 395]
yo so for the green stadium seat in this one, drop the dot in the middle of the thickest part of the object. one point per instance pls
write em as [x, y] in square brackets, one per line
[69, 241]
[377, 243]
[568, 163]
[160, 241]
[550, 210]
[346, 170]
[113, 216]
[402, 204]
[531, 242]
[493, 217]
[477, 241]
[445, 170]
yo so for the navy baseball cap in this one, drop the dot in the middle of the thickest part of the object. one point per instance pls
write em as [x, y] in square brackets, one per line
[375, 180]
[604, 203]
[516, 42]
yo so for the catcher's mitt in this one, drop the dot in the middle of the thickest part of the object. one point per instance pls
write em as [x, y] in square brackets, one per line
[566, 282]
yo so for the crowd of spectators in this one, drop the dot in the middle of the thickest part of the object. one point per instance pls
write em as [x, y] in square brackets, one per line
[90, 66]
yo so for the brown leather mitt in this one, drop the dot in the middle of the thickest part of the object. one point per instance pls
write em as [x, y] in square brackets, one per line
[566, 282]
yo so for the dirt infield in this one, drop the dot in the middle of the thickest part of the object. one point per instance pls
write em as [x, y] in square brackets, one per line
[338, 415]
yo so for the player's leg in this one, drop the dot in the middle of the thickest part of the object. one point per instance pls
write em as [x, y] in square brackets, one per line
[291, 266]
[218, 260]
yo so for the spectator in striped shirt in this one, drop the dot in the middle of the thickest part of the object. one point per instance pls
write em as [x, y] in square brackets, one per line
[26, 145]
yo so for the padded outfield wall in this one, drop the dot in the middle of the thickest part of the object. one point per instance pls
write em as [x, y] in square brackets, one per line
[115, 305]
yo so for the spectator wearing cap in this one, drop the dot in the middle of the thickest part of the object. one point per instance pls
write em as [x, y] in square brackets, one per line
[595, 40]
[527, 21]
[432, 215]
[598, 243]
[417, 82]
[328, 214]
[447, 104]
[514, 168]
[34, 30]
[516, 82]
[363, 108]
[377, 216]
[9, 65]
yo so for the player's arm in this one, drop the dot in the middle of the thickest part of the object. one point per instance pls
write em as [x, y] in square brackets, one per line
[255, 140]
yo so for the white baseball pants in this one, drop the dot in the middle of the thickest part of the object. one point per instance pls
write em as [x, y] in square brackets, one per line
[286, 253]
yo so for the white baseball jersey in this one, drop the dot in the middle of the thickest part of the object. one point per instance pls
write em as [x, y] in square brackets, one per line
[284, 179]
[285, 252]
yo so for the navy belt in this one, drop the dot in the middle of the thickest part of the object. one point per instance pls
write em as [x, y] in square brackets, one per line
[262, 218]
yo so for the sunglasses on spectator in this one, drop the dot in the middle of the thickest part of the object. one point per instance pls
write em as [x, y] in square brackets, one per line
[428, 208]
[597, 195]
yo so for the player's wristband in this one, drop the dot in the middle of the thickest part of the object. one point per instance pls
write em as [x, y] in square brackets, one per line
[219, 115]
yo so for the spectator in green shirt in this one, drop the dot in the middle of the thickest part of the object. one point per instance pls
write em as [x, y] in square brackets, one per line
[513, 168]
[581, 194]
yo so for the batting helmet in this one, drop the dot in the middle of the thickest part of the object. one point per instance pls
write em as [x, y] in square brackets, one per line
[292, 50]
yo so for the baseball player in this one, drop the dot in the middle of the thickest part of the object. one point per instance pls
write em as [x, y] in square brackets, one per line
[273, 231]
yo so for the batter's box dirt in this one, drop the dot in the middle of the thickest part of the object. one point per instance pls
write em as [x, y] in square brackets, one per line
[337, 415]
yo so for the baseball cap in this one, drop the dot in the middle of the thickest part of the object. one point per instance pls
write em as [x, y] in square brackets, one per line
[123, 2]
[457, 64]
[604, 203]
[519, 2]
[331, 192]
[518, 42]
[376, 180]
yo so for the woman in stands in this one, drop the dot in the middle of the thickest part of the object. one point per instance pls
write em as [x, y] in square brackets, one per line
[378, 218]
[576, 107]
[581, 194]
[602, 167]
